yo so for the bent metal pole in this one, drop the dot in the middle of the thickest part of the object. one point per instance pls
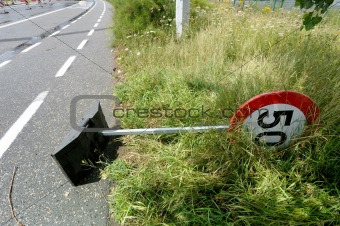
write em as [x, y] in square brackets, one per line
[121, 132]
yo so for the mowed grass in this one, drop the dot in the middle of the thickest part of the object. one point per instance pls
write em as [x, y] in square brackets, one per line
[204, 178]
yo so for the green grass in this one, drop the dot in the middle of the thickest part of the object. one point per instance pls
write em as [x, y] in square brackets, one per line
[203, 178]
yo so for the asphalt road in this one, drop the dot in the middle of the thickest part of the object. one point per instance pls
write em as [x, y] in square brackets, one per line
[37, 82]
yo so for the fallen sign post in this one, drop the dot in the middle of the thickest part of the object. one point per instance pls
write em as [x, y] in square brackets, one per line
[275, 119]
[154, 131]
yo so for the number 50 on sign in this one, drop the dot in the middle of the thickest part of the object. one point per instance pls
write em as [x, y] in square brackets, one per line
[276, 118]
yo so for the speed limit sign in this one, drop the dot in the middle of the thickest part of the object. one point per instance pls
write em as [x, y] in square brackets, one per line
[276, 118]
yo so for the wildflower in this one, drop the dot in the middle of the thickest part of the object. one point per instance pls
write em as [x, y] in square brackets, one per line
[126, 49]
[138, 53]
[266, 9]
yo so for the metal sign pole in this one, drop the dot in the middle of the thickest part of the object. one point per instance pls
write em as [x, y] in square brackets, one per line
[173, 130]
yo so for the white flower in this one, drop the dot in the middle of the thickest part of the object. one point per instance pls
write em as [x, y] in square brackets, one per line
[138, 53]
[126, 49]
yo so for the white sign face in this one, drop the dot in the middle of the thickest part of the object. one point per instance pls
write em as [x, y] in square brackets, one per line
[276, 125]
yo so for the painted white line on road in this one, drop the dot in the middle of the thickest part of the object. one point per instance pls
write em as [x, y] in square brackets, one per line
[100, 17]
[82, 44]
[54, 33]
[31, 47]
[17, 127]
[5, 62]
[74, 21]
[90, 33]
[65, 27]
[66, 65]
[88, 11]
[31, 18]
[96, 25]
[92, 7]
[98, 21]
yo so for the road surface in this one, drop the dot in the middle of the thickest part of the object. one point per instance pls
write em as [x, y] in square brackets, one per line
[48, 55]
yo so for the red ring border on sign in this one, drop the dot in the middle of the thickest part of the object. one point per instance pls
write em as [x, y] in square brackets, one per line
[298, 100]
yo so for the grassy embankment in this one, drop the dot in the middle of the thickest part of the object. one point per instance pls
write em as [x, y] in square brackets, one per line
[225, 59]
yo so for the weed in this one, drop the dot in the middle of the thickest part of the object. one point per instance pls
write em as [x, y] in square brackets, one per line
[203, 178]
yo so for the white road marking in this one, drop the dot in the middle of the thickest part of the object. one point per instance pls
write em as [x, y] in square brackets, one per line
[17, 127]
[66, 65]
[44, 14]
[31, 18]
[65, 26]
[98, 21]
[90, 33]
[31, 47]
[92, 7]
[74, 21]
[5, 62]
[100, 17]
[82, 44]
[96, 25]
[54, 33]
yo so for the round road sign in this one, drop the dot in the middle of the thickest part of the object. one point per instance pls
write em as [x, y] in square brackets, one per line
[276, 118]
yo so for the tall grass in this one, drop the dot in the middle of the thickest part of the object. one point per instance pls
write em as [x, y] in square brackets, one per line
[202, 178]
